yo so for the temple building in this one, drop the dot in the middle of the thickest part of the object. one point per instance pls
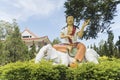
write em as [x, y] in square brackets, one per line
[29, 38]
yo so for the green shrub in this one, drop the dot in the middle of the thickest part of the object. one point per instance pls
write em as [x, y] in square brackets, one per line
[108, 68]
[29, 71]
[62, 71]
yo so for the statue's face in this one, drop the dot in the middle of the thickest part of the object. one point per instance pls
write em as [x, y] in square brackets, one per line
[70, 20]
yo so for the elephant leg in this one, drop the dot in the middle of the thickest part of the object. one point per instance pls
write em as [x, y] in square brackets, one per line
[41, 53]
[64, 58]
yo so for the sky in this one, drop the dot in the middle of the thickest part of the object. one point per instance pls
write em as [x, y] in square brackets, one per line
[46, 18]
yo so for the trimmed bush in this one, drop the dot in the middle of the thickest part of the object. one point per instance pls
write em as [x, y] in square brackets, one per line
[109, 68]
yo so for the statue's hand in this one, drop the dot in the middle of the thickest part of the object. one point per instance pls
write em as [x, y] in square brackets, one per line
[69, 36]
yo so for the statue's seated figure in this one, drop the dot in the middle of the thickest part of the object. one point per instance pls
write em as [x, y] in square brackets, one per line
[70, 34]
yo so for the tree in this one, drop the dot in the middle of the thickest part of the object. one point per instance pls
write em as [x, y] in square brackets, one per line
[95, 47]
[6, 29]
[2, 53]
[110, 43]
[100, 47]
[116, 53]
[100, 13]
[101, 43]
[118, 44]
[56, 41]
[16, 48]
[91, 46]
[32, 51]
[100, 52]
[105, 49]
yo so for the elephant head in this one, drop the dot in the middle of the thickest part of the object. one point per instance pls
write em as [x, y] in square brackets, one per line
[47, 52]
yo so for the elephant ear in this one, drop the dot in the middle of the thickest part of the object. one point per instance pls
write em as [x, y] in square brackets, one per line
[52, 53]
[53, 56]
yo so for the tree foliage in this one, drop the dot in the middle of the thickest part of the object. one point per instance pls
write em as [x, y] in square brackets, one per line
[118, 44]
[32, 51]
[100, 13]
[16, 48]
[3, 53]
[6, 28]
[107, 48]
[56, 41]
[110, 42]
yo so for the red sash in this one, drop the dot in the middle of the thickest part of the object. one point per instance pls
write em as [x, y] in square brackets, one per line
[72, 34]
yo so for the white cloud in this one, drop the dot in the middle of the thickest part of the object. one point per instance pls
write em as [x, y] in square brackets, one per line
[23, 9]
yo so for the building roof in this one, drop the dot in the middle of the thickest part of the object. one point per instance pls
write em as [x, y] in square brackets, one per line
[32, 34]
[33, 37]
[44, 38]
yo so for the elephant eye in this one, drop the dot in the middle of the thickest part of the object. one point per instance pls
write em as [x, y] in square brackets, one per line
[45, 54]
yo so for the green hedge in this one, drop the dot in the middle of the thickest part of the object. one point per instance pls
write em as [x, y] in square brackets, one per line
[107, 69]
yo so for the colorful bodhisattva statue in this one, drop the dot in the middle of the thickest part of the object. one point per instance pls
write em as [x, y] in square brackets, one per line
[70, 34]
[61, 53]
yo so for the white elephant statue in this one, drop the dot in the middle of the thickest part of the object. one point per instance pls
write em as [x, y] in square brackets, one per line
[49, 53]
